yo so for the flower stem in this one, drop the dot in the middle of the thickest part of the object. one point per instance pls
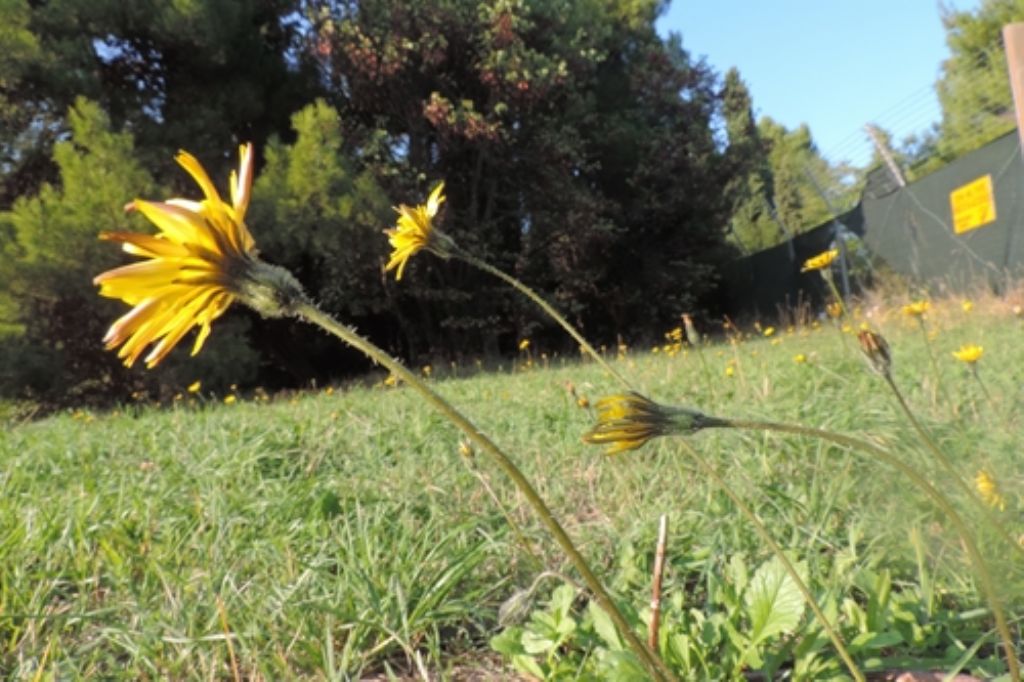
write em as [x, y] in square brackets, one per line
[931, 356]
[987, 585]
[759, 527]
[312, 314]
[835, 293]
[546, 307]
[947, 465]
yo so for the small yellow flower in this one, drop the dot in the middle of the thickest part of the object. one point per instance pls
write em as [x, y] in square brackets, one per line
[834, 309]
[967, 306]
[392, 381]
[230, 399]
[427, 370]
[196, 265]
[800, 358]
[821, 261]
[627, 421]
[524, 344]
[675, 335]
[415, 231]
[195, 386]
[988, 488]
[969, 353]
[582, 402]
[769, 331]
[730, 371]
[916, 309]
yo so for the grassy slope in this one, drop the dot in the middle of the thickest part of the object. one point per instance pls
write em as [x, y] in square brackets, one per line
[339, 533]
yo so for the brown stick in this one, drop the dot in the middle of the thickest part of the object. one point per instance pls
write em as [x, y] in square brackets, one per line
[659, 570]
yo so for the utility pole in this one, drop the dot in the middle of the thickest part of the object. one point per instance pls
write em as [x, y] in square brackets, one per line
[883, 149]
[785, 231]
[1013, 40]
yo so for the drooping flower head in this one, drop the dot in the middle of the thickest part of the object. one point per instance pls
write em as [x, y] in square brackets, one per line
[821, 261]
[202, 259]
[969, 353]
[626, 421]
[876, 351]
[415, 231]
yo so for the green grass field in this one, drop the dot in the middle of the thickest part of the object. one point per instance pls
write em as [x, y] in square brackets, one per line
[343, 535]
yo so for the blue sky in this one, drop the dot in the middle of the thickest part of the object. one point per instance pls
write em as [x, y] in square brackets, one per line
[833, 64]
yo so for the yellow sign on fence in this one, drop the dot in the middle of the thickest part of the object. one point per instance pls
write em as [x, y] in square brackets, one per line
[973, 205]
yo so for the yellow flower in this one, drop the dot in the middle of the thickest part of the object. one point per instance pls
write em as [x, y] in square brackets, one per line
[427, 370]
[195, 386]
[195, 266]
[988, 488]
[230, 399]
[415, 231]
[821, 261]
[627, 421]
[800, 358]
[524, 344]
[969, 353]
[916, 309]
[768, 331]
[730, 371]
[834, 309]
[967, 306]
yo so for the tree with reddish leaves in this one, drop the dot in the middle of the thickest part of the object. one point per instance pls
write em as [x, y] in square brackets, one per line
[578, 146]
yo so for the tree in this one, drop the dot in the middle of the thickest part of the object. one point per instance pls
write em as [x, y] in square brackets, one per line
[317, 213]
[974, 89]
[205, 75]
[752, 225]
[577, 146]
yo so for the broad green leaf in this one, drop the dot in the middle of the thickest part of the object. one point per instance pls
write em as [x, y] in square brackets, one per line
[773, 602]
[604, 627]
[509, 642]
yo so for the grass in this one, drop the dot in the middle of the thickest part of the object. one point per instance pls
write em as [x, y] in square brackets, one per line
[344, 535]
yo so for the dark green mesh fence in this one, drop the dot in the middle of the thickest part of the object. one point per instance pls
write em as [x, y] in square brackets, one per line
[910, 228]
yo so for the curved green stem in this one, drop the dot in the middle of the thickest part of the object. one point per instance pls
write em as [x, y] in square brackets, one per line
[777, 551]
[546, 307]
[947, 465]
[963, 531]
[835, 293]
[654, 665]
[931, 357]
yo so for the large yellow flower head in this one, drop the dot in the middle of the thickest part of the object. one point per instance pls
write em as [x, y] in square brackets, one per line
[916, 309]
[202, 259]
[821, 261]
[969, 353]
[988, 488]
[627, 421]
[415, 231]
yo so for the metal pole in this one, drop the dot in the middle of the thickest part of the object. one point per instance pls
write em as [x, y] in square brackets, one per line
[1013, 42]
